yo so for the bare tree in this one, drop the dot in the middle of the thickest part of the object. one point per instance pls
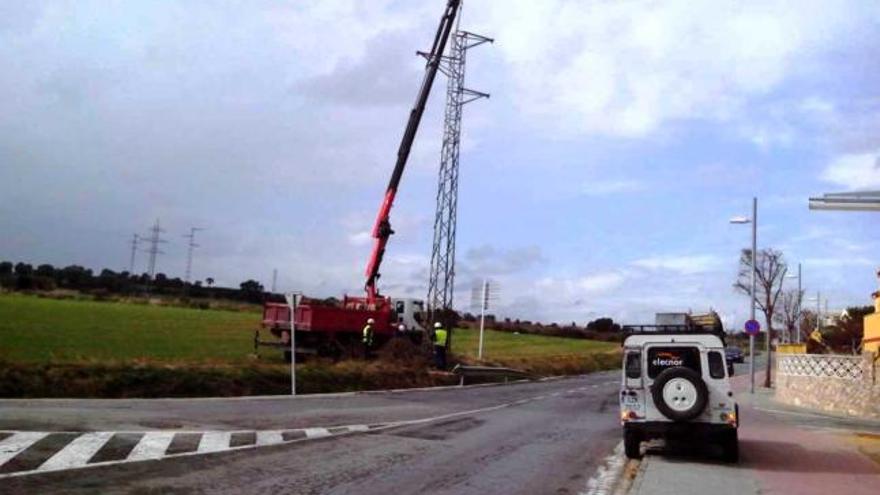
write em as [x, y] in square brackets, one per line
[770, 273]
[791, 312]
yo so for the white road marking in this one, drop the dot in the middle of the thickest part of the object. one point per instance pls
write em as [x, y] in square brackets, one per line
[317, 432]
[10, 447]
[269, 437]
[151, 446]
[214, 441]
[78, 452]
[608, 474]
[154, 444]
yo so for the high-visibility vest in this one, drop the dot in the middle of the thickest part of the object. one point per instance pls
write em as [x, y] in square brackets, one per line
[440, 336]
[368, 334]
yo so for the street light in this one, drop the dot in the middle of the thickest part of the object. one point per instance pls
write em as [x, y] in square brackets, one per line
[740, 220]
[798, 309]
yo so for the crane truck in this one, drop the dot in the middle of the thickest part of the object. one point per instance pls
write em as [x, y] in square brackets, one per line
[334, 329]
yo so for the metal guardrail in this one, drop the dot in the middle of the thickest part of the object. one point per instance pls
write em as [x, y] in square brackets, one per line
[488, 372]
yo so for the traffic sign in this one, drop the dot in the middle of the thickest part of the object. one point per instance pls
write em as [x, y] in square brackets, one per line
[753, 327]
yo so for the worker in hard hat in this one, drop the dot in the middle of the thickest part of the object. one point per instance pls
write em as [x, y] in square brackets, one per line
[368, 337]
[440, 340]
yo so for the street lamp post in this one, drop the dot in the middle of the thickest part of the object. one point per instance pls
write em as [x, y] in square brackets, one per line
[797, 339]
[754, 222]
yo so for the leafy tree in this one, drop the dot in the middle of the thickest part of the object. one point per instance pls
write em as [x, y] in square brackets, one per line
[46, 270]
[6, 268]
[23, 269]
[603, 325]
[209, 281]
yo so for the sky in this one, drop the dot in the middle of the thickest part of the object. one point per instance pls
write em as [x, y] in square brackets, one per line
[598, 179]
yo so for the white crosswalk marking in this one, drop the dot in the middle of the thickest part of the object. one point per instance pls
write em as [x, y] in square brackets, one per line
[269, 437]
[316, 432]
[78, 452]
[10, 447]
[152, 446]
[214, 441]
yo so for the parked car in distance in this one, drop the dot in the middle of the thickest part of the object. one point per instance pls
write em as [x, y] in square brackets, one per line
[734, 355]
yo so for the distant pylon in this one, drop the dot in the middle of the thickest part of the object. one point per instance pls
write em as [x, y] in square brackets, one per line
[134, 246]
[189, 252]
[441, 284]
[155, 238]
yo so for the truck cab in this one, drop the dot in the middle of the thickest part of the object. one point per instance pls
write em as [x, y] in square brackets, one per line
[410, 313]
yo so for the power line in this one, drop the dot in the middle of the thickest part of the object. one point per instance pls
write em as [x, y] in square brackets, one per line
[189, 253]
[154, 238]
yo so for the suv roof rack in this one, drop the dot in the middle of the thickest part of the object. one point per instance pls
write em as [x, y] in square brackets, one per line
[672, 330]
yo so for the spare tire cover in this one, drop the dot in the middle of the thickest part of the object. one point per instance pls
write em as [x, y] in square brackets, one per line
[680, 393]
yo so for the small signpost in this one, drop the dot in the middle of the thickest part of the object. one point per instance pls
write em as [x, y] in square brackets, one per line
[752, 327]
[292, 301]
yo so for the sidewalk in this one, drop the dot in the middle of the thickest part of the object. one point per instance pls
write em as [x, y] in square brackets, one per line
[782, 450]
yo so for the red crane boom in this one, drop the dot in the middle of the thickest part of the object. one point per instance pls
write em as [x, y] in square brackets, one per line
[382, 228]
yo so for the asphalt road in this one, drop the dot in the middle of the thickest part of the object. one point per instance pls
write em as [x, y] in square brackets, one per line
[529, 438]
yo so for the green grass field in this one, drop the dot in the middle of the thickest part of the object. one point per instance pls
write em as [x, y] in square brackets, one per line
[36, 330]
[505, 345]
[82, 348]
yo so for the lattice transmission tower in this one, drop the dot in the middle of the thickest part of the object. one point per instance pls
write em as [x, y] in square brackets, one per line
[441, 284]
[154, 239]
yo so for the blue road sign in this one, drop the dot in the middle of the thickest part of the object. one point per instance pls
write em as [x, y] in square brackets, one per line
[753, 327]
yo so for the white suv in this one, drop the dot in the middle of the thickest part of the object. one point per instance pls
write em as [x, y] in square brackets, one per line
[676, 384]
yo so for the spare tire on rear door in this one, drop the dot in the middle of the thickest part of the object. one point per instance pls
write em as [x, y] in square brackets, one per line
[679, 393]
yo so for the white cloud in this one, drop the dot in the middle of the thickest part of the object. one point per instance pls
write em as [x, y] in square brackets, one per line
[360, 238]
[839, 262]
[579, 287]
[685, 265]
[855, 171]
[627, 68]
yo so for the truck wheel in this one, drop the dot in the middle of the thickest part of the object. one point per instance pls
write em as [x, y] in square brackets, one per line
[730, 446]
[680, 393]
[632, 444]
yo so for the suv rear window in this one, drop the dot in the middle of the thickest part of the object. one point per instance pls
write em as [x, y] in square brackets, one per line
[661, 358]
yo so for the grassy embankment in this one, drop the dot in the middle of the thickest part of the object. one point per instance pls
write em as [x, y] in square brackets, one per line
[535, 353]
[108, 349]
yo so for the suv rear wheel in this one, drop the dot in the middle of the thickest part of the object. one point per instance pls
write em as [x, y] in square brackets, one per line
[730, 446]
[632, 443]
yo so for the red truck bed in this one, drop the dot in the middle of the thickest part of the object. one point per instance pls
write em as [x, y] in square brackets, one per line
[313, 316]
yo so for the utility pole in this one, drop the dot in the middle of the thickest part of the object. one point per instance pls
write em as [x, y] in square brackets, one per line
[799, 301]
[441, 282]
[134, 246]
[189, 253]
[274, 278]
[154, 238]
[482, 295]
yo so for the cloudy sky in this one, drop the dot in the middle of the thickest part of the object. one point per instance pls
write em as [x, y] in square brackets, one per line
[598, 179]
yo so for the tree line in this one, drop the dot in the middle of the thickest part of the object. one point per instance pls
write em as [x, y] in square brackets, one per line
[785, 306]
[22, 276]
